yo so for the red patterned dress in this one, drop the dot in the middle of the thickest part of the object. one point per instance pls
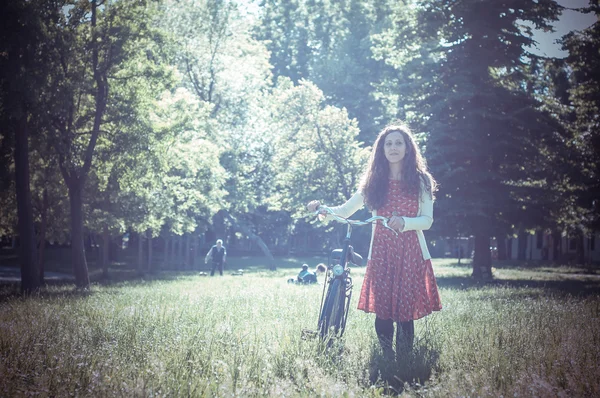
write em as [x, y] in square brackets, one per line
[399, 284]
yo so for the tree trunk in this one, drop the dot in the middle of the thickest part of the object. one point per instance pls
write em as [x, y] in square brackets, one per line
[522, 246]
[580, 247]
[43, 228]
[175, 254]
[140, 259]
[556, 243]
[194, 252]
[187, 258]
[105, 251]
[261, 244]
[201, 252]
[482, 260]
[306, 240]
[172, 251]
[80, 269]
[588, 259]
[245, 230]
[530, 243]
[75, 177]
[165, 262]
[502, 252]
[30, 276]
[181, 251]
[149, 233]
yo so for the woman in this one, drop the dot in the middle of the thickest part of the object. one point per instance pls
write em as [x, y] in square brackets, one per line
[399, 284]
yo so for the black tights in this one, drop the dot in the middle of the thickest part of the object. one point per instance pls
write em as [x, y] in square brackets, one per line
[405, 334]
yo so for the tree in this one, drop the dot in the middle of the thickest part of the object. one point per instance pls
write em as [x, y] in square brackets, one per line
[489, 142]
[330, 44]
[284, 26]
[23, 64]
[93, 43]
[584, 95]
[318, 155]
[190, 189]
[228, 71]
[49, 195]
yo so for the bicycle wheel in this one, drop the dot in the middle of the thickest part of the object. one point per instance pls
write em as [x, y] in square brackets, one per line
[333, 309]
[348, 296]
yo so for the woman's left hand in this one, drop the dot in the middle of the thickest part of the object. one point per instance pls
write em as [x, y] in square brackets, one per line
[396, 223]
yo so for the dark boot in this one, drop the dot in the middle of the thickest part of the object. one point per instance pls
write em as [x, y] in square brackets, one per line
[385, 333]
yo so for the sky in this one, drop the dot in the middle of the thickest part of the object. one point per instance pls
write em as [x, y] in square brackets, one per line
[569, 21]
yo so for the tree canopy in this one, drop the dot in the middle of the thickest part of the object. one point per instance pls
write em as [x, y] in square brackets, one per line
[185, 118]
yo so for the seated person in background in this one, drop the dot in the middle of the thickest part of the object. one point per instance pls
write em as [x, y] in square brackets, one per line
[303, 273]
[306, 277]
[311, 277]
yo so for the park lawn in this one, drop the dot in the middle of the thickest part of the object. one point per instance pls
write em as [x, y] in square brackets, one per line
[529, 332]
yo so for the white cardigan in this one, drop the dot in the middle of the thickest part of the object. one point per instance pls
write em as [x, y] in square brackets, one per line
[420, 223]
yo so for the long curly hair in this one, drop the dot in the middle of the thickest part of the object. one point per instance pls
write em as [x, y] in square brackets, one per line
[374, 185]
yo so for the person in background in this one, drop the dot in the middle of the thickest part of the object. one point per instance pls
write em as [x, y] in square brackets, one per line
[320, 269]
[218, 255]
[307, 277]
[303, 272]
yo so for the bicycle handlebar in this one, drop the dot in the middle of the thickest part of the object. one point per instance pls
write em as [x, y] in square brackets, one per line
[355, 222]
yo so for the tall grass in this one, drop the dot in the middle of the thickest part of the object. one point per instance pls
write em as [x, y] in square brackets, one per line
[241, 336]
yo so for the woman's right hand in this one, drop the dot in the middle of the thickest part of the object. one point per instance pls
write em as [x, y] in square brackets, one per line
[313, 205]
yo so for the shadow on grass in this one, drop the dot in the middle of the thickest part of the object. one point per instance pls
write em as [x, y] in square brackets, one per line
[409, 370]
[126, 274]
[53, 289]
[575, 287]
[548, 266]
[65, 287]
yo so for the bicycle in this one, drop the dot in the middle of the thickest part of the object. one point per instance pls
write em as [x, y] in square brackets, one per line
[337, 289]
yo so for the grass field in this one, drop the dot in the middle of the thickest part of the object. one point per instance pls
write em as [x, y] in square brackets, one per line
[530, 332]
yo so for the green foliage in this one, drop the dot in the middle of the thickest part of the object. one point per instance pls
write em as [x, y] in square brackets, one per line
[25, 62]
[318, 154]
[489, 142]
[217, 58]
[176, 182]
[228, 72]
[167, 112]
[83, 100]
[97, 84]
[8, 214]
[49, 197]
[329, 43]
[584, 97]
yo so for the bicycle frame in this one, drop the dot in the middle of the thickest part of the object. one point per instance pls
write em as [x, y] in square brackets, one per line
[345, 288]
[335, 304]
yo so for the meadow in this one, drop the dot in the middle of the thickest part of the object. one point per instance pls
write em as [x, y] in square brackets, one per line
[532, 331]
